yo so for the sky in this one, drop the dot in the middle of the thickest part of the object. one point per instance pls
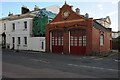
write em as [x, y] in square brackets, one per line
[95, 9]
[119, 16]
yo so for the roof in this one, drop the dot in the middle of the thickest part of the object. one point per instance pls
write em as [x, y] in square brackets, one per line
[100, 27]
[43, 11]
[30, 14]
[107, 19]
[48, 13]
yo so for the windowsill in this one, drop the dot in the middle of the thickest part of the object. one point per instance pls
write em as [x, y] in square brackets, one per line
[18, 45]
[13, 30]
[24, 29]
[25, 45]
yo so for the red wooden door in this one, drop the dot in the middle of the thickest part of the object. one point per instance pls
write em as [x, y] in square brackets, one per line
[57, 41]
[77, 42]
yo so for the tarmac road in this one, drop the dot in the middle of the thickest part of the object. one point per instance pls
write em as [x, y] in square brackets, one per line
[27, 64]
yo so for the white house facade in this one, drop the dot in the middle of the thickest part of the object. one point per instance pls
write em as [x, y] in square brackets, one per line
[18, 35]
[17, 32]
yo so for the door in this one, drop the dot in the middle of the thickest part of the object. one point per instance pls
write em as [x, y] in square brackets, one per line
[3, 40]
[77, 42]
[57, 41]
[13, 42]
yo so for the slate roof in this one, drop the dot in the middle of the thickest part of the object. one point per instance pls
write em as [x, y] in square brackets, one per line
[100, 27]
[45, 12]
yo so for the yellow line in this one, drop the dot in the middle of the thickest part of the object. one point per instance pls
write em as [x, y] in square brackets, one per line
[60, 22]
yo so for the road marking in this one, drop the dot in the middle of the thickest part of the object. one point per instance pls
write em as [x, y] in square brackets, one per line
[93, 58]
[92, 67]
[43, 61]
[117, 60]
[98, 59]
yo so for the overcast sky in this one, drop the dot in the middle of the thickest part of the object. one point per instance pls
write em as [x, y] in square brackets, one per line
[95, 9]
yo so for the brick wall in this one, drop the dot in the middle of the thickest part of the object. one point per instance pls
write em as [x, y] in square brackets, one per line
[96, 41]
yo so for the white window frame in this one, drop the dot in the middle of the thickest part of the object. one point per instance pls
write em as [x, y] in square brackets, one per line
[4, 26]
[101, 40]
[18, 40]
[25, 40]
[25, 25]
[13, 26]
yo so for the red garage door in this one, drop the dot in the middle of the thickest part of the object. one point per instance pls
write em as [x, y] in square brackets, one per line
[57, 41]
[77, 42]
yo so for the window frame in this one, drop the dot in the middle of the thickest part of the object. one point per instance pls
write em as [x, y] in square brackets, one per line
[4, 26]
[18, 40]
[25, 40]
[13, 26]
[101, 40]
[25, 24]
[42, 45]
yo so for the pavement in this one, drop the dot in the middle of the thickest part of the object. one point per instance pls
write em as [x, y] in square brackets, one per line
[30, 64]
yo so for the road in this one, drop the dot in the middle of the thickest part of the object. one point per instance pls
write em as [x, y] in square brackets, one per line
[48, 65]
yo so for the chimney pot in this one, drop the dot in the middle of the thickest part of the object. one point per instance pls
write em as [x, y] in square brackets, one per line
[36, 8]
[10, 14]
[87, 15]
[77, 10]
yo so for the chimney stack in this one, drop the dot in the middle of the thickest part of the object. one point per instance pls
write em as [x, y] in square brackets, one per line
[87, 15]
[10, 14]
[77, 10]
[24, 9]
[36, 8]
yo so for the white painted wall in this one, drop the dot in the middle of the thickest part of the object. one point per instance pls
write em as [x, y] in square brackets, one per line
[18, 32]
[2, 29]
[33, 43]
[0, 33]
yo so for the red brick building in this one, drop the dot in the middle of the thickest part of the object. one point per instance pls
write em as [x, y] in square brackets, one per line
[72, 33]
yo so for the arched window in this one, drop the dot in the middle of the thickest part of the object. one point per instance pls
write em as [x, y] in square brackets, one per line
[101, 40]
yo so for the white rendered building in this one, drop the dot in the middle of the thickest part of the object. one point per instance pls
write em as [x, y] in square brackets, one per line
[17, 30]
[18, 33]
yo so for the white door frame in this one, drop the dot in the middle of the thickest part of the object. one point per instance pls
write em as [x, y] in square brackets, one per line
[50, 41]
[69, 42]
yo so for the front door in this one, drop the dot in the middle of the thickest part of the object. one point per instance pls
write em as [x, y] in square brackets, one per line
[3, 40]
[13, 42]
[57, 41]
[77, 42]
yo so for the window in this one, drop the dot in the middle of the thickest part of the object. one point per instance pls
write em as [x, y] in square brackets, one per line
[56, 41]
[59, 40]
[25, 40]
[101, 40]
[75, 41]
[50, 21]
[52, 40]
[80, 41]
[25, 24]
[13, 26]
[13, 39]
[4, 26]
[84, 40]
[62, 41]
[71, 40]
[42, 45]
[18, 40]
